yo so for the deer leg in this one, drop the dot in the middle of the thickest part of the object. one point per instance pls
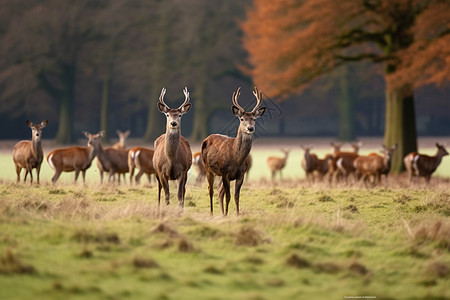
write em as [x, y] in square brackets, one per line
[25, 176]
[221, 194]
[210, 177]
[159, 191]
[226, 186]
[182, 189]
[56, 176]
[101, 177]
[77, 173]
[38, 170]
[237, 192]
[137, 179]
[18, 169]
[83, 175]
[273, 175]
[31, 175]
[132, 174]
[165, 185]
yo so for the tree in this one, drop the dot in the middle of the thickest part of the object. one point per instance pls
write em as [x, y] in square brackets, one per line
[291, 43]
[44, 44]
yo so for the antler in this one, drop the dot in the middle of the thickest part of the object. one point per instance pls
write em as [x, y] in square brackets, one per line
[161, 97]
[186, 98]
[235, 97]
[258, 96]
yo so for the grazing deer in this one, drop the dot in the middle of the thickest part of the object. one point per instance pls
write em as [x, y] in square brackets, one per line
[276, 164]
[342, 163]
[423, 165]
[29, 154]
[374, 165]
[173, 156]
[228, 157]
[199, 167]
[76, 159]
[141, 158]
[122, 137]
[312, 164]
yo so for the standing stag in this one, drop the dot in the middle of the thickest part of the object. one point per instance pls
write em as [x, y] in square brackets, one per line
[76, 159]
[173, 156]
[423, 165]
[312, 164]
[141, 158]
[228, 157]
[374, 165]
[29, 154]
[276, 164]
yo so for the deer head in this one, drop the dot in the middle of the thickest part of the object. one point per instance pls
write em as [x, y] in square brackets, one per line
[247, 119]
[36, 129]
[441, 150]
[174, 115]
[94, 139]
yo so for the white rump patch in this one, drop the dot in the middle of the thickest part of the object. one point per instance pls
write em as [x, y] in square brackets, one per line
[339, 164]
[50, 161]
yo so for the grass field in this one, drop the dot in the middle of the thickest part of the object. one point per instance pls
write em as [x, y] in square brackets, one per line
[292, 240]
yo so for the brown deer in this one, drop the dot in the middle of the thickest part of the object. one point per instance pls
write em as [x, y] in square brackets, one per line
[423, 165]
[173, 155]
[228, 157]
[199, 167]
[122, 138]
[374, 165]
[276, 164]
[76, 159]
[29, 154]
[311, 164]
[342, 163]
[141, 158]
[114, 161]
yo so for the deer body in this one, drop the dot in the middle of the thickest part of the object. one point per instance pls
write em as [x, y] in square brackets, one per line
[276, 164]
[423, 165]
[173, 156]
[227, 157]
[312, 164]
[141, 158]
[29, 154]
[343, 162]
[374, 165]
[76, 159]
[199, 167]
[114, 161]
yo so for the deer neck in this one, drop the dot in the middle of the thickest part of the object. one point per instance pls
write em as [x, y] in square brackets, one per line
[91, 153]
[172, 143]
[101, 155]
[242, 145]
[37, 148]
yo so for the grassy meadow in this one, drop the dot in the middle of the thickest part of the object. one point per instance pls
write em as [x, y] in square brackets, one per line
[292, 240]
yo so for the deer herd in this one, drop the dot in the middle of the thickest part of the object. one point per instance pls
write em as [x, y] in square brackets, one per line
[220, 156]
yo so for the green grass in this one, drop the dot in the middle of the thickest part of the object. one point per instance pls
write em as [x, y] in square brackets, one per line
[106, 242]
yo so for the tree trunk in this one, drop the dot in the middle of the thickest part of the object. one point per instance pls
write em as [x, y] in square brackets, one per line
[155, 121]
[105, 108]
[346, 108]
[64, 135]
[400, 124]
[199, 128]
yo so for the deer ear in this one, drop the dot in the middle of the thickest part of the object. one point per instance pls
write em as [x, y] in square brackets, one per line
[260, 112]
[86, 134]
[236, 111]
[44, 123]
[29, 123]
[101, 134]
[186, 108]
[162, 108]
[127, 133]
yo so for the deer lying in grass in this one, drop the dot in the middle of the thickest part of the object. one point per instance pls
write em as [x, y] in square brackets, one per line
[312, 165]
[199, 167]
[276, 164]
[29, 154]
[343, 163]
[173, 156]
[374, 165]
[423, 165]
[228, 157]
[122, 138]
[76, 159]
[141, 158]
